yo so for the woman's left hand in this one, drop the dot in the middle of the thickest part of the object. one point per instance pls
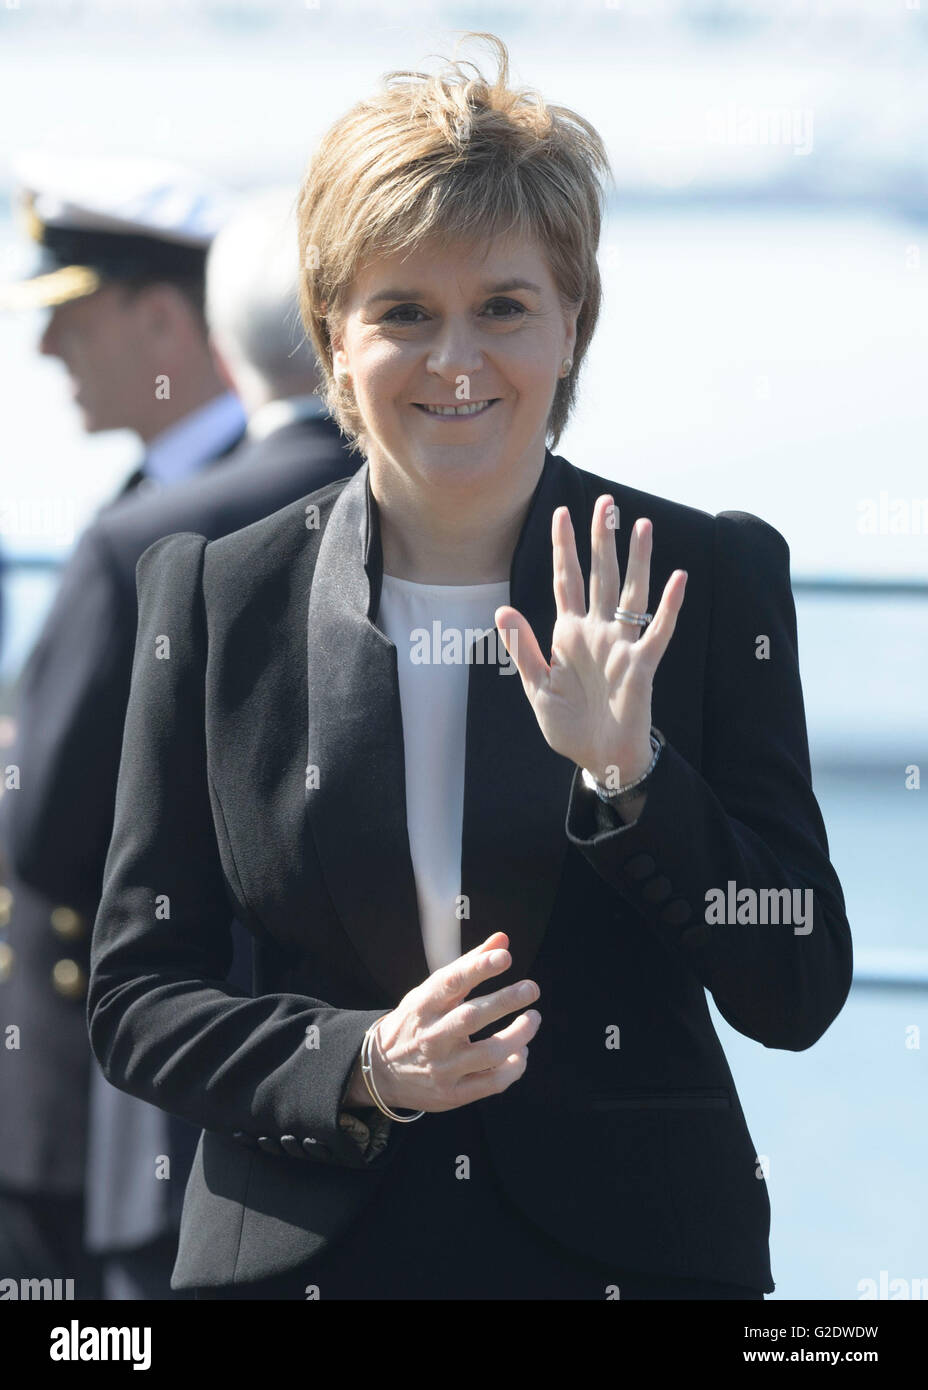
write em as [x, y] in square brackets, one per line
[593, 702]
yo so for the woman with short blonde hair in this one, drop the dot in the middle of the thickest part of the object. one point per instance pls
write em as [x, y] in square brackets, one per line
[421, 736]
[451, 158]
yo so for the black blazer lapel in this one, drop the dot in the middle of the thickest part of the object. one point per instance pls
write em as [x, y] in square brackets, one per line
[357, 809]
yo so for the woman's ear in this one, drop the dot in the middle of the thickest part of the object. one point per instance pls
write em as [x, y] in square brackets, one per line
[334, 324]
[340, 367]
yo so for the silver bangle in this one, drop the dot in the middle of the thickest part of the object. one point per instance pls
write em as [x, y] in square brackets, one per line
[631, 789]
[367, 1072]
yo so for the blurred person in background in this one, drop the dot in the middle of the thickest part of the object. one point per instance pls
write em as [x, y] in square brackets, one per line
[293, 447]
[120, 253]
[402, 826]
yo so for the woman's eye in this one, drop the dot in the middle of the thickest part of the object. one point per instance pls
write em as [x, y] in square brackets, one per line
[393, 315]
[511, 304]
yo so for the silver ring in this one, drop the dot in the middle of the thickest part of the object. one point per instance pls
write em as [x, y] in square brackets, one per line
[623, 615]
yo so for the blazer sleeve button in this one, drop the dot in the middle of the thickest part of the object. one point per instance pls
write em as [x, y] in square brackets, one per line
[292, 1146]
[268, 1145]
[639, 866]
[677, 912]
[658, 890]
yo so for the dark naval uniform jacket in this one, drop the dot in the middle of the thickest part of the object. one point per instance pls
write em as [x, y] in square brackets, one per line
[263, 772]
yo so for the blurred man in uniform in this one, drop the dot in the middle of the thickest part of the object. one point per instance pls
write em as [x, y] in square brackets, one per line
[120, 262]
[293, 447]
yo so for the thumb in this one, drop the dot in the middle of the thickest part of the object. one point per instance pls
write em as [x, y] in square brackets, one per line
[498, 941]
[522, 645]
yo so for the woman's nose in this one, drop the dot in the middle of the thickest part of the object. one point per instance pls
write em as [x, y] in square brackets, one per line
[455, 351]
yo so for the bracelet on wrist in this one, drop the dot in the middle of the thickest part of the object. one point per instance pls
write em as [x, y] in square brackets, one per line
[367, 1072]
[619, 795]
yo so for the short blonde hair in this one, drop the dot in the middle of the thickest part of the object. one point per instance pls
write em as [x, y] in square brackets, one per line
[454, 158]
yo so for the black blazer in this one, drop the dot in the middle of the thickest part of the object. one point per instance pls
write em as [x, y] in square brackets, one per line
[636, 1154]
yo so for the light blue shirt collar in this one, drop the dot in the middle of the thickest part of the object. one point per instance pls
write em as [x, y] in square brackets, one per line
[184, 447]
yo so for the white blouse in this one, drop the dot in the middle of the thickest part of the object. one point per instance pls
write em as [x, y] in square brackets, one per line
[433, 627]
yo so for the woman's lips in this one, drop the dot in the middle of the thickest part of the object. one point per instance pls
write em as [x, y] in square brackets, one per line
[465, 415]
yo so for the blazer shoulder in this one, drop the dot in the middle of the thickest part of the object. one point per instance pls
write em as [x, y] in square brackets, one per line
[264, 566]
[275, 536]
[745, 532]
[260, 563]
[168, 560]
[256, 482]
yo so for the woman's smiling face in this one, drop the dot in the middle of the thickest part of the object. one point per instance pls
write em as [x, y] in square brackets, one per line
[455, 327]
